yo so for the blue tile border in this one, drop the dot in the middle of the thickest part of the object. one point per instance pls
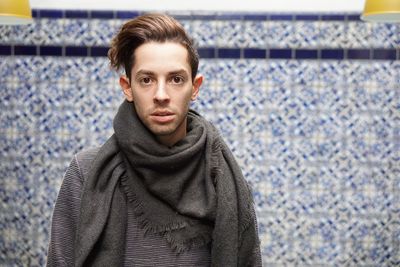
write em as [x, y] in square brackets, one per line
[97, 14]
[50, 51]
[207, 52]
[254, 53]
[385, 54]
[281, 17]
[126, 14]
[333, 17]
[215, 52]
[262, 16]
[306, 54]
[332, 54]
[76, 51]
[50, 13]
[25, 50]
[5, 50]
[76, 14]
[280, 53]
[98, 51]
[228, 53]
[359, 54]
[307, 17]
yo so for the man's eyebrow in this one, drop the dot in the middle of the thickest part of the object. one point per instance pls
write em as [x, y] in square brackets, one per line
[144, 72]
[151, 73]
[179, 71]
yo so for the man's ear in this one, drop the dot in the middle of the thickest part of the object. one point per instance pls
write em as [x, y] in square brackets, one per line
[198, 80]
[126, 87]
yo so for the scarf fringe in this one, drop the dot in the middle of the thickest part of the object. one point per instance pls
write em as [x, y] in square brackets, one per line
[166, 230]
[139, 211]
[180, 247]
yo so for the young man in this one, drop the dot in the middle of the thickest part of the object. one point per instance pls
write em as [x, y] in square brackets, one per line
[164, 190]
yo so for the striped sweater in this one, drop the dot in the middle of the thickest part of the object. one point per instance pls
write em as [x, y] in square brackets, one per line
[140, 249]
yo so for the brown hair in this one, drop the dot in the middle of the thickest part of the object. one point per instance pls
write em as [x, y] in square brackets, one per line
[149, 28]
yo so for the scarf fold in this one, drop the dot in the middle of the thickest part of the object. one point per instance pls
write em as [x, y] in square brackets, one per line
[191, 194]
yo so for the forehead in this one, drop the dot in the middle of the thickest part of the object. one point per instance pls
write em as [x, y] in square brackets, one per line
[159, 57]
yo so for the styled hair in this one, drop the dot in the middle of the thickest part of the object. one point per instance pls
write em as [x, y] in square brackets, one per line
[149, 28]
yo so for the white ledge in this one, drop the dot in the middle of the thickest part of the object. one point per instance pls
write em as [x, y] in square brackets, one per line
[306, 6]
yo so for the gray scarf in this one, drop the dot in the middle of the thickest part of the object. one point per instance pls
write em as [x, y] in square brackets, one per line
[191, 194]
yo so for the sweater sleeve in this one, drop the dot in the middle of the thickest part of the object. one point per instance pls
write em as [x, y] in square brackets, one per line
[65, 218]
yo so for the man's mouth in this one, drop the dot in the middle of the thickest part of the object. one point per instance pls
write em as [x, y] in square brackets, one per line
[162, 116]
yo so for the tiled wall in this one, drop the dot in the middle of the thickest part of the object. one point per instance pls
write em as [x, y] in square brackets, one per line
[309, 104]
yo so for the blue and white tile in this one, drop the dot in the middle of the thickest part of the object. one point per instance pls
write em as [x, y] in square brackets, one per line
[229, 72]
[7, 96]
[76, 68]
[255, 34]
[306, 34]
[27, 34]
[204, 32]
[358, 150]
[381, 150]
[368, 242]
[254, 98]
[77, 32]
[102, 31]
[278, 124]
[332, 34]
[7, 65]
[228, 123]
[384, 74]
[99, 127]
[230, 34]
[304, 72]
[278, 73]
[50, 69]
[333, 72]
[6, 34]
[274, 245]
[100, 71]
[27, 68]
[280, 34]
[385, 35]
[358, 34]
[254, 73]
[51, 31]
[277, 97]
[105, 95]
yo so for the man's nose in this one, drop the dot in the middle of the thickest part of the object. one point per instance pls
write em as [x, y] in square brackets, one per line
[161, 94]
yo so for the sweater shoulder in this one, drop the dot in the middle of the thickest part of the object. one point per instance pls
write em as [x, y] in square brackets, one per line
[85, 158]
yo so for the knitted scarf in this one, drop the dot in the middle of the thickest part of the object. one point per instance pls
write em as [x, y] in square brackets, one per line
[191, 194]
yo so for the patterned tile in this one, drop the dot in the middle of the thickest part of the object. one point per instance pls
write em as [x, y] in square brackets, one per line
[255, 33]
[385, 35]
[332, 34]
[230, 33]
[6, 34]
[358, 34]
[204, 32]
[369, 242]
[306, 34]
[77, 32]
[280, 34]
[26, 68]
[27, 34]
[51, 31]
[102, 31]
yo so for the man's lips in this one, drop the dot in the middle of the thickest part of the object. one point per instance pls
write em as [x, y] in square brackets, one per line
[162, 116]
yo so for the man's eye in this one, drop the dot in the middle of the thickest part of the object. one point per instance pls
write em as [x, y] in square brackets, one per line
[146, 80]
[177, 80]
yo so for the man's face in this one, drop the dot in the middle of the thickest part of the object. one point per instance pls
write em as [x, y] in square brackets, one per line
[161, 89]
